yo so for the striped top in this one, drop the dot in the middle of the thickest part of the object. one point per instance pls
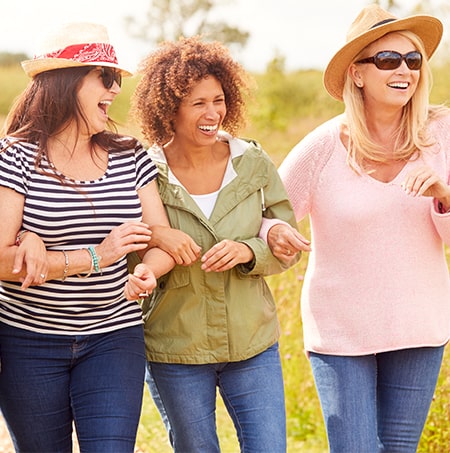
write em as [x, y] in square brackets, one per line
[69, 217]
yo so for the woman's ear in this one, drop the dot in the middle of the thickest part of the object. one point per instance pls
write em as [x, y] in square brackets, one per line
[356, 75]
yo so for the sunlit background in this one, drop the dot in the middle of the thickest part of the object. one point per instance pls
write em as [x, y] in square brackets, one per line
[305, 32]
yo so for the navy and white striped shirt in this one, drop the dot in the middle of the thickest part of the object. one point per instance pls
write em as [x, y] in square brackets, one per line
[69, 217]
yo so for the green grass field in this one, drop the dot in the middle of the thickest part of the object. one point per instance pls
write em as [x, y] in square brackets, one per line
[287, 107]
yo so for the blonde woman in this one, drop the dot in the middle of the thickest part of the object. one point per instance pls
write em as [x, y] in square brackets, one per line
[374, 183]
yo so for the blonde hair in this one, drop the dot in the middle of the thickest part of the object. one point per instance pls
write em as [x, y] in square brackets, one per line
[411, 135]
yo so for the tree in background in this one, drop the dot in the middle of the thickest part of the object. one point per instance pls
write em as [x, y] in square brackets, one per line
[11, 59]
[171, 19]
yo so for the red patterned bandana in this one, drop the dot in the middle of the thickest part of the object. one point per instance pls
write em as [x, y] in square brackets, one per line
[85, 53]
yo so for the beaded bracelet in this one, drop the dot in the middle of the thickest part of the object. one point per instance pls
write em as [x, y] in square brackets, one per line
[95, 263]
[95, 259]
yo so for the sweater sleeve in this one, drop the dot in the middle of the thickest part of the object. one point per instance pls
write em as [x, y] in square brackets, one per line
[300, 170]
[441, 134]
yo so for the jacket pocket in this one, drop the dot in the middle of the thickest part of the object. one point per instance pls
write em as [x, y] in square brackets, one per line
[178, 277]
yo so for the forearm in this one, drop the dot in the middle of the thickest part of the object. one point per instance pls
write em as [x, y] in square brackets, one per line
[61, 264]
[158, 261]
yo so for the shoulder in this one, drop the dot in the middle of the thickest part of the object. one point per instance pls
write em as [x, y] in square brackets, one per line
[327, 132]
[249, 147]
[16, 151]
[315, 149]
[17, 145]
[439, 120]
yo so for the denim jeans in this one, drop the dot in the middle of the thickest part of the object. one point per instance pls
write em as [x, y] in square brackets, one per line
[252, 391]
[376, 403]
[157, 400]
[49, 381]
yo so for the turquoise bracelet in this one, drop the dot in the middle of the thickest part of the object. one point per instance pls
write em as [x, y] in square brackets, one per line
[95, 259]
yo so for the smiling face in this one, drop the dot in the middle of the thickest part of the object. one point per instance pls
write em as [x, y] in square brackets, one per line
[391, 88]
[201, 113]
[95, 100]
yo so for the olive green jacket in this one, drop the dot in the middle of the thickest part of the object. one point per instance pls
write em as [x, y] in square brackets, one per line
[195, 317]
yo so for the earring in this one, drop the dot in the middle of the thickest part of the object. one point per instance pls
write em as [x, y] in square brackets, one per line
[359, 84]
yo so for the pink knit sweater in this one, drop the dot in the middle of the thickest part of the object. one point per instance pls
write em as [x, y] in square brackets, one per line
[377, 277]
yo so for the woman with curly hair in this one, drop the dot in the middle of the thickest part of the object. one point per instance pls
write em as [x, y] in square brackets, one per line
[212, 321]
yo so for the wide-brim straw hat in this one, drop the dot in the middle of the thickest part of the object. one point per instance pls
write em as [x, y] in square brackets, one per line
[372, 23]
[74, 44]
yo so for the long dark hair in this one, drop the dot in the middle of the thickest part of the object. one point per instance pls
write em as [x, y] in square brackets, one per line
[49, 104]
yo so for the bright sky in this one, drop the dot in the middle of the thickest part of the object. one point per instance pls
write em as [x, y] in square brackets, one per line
[306, 32]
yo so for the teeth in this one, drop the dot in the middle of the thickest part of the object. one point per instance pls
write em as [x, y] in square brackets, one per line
[208, 128]
[399, 85]
[105, 102]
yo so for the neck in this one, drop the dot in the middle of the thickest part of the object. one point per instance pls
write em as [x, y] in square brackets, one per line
[193, 157]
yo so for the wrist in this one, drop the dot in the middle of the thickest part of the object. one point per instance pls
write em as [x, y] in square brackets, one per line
[20, 236]
[156, 239]
[94, 264]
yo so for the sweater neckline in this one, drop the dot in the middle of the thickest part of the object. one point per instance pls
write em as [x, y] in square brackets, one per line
[364, 174]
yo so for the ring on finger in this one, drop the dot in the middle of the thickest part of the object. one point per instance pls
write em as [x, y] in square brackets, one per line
[42, 275]
[144, 294]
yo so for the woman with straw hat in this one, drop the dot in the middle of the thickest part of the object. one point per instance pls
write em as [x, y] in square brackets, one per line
[374, 182]
[75, 199]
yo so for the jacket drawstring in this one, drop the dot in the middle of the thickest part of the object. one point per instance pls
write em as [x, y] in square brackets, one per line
[263, 201]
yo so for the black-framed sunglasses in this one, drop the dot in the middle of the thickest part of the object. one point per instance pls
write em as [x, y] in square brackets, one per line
[109, 76]
[390, 59]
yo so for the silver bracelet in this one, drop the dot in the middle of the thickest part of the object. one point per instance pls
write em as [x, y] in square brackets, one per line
[66, 265]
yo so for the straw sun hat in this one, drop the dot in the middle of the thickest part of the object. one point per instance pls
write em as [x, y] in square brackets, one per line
[74, 44]
[371, 24]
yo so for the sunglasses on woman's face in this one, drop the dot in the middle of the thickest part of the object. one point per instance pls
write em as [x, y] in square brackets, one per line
[389, 59]
[109, 76]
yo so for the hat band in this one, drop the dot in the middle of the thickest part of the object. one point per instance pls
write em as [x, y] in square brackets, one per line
[85, 53]
[385, 21]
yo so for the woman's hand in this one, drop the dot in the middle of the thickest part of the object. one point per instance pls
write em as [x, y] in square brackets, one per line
[423, 181]
[225, 255]
[285, 242]
[123, 239]
[141, 283]
[32, 255]
[179, 245]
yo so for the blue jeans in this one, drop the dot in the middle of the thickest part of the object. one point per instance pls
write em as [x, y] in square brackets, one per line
[49, 381]
[252, 391]
[376, 403]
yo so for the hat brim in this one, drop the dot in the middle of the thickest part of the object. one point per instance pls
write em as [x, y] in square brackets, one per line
[427, 28]
[38, 65]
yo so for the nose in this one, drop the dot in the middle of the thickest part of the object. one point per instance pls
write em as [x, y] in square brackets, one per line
[212, 110]
[115, 88]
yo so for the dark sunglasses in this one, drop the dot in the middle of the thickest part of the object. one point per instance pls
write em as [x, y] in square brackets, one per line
[389, 59]
[109, 76]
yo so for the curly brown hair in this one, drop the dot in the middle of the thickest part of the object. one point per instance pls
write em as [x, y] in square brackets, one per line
[169, 74]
